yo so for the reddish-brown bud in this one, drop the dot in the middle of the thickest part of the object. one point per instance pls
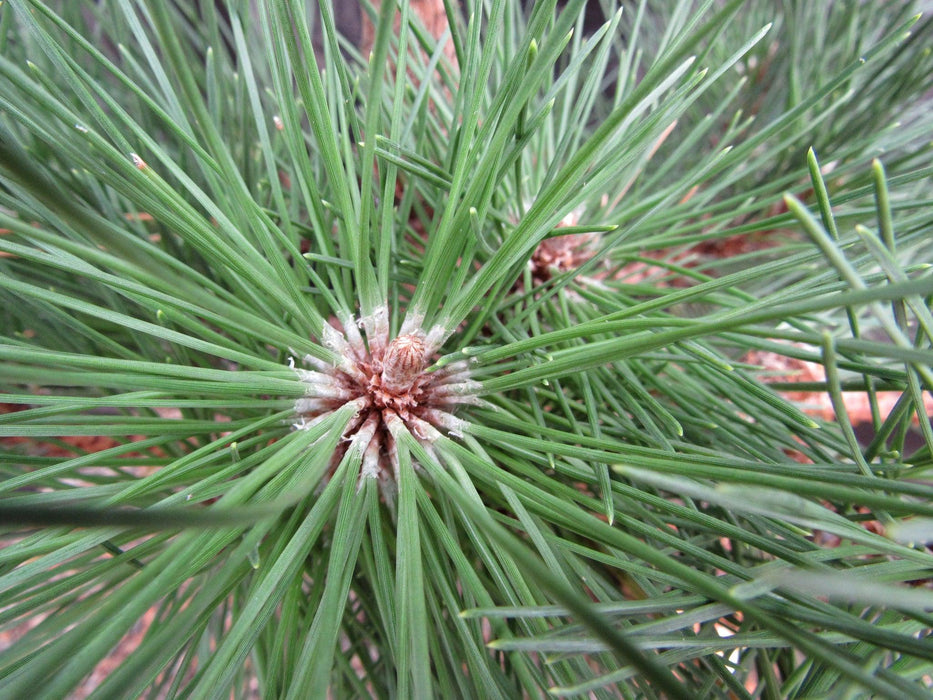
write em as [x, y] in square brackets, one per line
[403, 362]
[387, 387]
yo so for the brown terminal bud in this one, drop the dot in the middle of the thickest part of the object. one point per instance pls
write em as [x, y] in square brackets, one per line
[403, 362]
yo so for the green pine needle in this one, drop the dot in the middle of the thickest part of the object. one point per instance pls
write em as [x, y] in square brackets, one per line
[531, 356]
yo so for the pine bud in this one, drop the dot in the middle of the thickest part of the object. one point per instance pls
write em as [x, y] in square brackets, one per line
[403, 362]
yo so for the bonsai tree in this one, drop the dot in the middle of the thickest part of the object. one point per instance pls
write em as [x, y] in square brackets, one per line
[517, 356]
